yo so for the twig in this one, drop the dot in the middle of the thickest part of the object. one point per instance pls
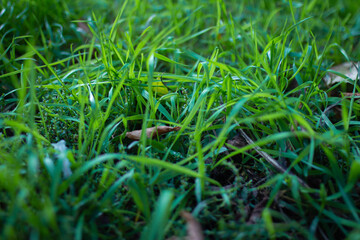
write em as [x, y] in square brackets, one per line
[268, 158]
[327, 109]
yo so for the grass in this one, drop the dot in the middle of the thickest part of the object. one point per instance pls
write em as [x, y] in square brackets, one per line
[87, 72]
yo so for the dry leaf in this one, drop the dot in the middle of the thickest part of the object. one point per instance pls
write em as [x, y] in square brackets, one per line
[194, 229]
[151, 132]
[348, 69]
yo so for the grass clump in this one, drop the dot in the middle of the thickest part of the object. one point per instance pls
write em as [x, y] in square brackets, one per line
[224, 72]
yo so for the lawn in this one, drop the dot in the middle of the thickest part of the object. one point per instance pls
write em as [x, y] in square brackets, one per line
[216, 119]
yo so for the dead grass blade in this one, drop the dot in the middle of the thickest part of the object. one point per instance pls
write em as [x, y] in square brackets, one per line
[268, 158]
[257, 211]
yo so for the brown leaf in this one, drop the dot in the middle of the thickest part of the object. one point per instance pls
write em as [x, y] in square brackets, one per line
[151, 132]
[349, 69]
[194, 229]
